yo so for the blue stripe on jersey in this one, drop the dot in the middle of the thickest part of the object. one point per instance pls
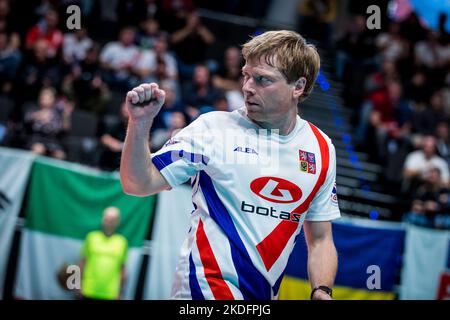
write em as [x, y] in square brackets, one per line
[276, 287]
[196, 292]
[164, 159]
[252, 284]
[194, 180]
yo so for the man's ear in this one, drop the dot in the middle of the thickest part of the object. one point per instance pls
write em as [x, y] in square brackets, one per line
[299, 87]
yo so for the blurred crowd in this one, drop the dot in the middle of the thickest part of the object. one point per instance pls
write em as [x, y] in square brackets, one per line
[63, 90]
[397, 82]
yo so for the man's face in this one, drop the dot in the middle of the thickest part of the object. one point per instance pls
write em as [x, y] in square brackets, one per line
[201, 75]
[127, 37]
[429, 146]
[46, 99]
[160, 46]
[110, 221]
[268, 97]
[52, 19]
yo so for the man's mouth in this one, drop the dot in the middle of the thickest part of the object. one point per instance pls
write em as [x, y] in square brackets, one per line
[251, 103]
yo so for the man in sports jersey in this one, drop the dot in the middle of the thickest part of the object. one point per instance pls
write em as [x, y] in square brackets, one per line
[247, 215]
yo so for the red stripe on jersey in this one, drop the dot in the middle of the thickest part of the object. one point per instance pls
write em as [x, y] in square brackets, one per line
[219, 288]
[272, 246]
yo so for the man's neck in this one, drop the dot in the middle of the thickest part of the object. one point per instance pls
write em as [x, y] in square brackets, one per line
[285, 125]
[107, 234]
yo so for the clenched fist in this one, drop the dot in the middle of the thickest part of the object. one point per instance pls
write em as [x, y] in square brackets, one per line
[144, 102]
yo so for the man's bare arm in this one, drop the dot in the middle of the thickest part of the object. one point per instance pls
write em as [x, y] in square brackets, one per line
[138, 174]
[322, 256]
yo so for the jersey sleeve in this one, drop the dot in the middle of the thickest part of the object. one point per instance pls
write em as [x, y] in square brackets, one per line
[324, 206]
[185, 154]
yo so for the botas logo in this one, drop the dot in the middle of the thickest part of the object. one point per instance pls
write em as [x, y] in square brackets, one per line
[276, 190]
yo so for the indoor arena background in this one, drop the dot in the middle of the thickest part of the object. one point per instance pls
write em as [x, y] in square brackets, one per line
[383, 96]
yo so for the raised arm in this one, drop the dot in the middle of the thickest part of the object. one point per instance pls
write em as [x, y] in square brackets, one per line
[138, 175]
[322, 256]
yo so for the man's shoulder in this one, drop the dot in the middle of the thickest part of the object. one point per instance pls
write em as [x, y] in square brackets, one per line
[416, 154]
[216, 119]
[319, 132]
[439, 160]
[120, 238]
[217, 115]
[93, 234]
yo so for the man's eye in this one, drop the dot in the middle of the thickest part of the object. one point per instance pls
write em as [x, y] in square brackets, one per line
[262, 79]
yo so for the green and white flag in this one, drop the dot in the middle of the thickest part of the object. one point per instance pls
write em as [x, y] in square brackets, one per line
[14, 170]
[64, 203]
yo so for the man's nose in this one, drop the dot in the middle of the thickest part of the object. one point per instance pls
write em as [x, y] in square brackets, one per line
[247, 87]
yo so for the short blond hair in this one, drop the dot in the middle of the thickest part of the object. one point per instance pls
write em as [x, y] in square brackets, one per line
[289, 53]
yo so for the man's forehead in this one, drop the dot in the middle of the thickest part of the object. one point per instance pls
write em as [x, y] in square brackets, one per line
[260, 65]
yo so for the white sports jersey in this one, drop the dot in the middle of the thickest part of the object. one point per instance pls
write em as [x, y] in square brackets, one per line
[252, 190]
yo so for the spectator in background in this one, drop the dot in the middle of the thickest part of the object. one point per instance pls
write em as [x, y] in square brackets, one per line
[419, 162]
[104, 254]
[149, 34]
[412, 29]
[375, 87]
[76, 45]
[431, 196]
[199, 94]
[418, 88]
[394, 149]
[417, 215]
[118, 59]
[229, 77]
[229, 74]
[171, 104]
[46, 29]
[171, 14]
[157, 65]
[84, 83]
[430, 53]
[48, 123]
[443, 140]
[10, 59]
[176, 121]
[444, 34]
[391, 44]
[5, 16]
[220, 103]
[428, 115]
[378, 80]
[356, 44]
[354, 59]
[389, 113]
[434, 56]
[38, 70]
[190, 43]
[112, 139]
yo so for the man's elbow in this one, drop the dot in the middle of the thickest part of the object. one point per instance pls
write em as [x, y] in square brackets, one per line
[133, 190]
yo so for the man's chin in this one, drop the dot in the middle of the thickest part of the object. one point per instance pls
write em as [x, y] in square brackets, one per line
[254, 115]
[253, 109]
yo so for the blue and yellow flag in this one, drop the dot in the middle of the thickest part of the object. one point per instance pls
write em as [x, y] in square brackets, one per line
[369, 262]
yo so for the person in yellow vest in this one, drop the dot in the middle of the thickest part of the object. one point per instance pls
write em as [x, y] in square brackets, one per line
[104, 254]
